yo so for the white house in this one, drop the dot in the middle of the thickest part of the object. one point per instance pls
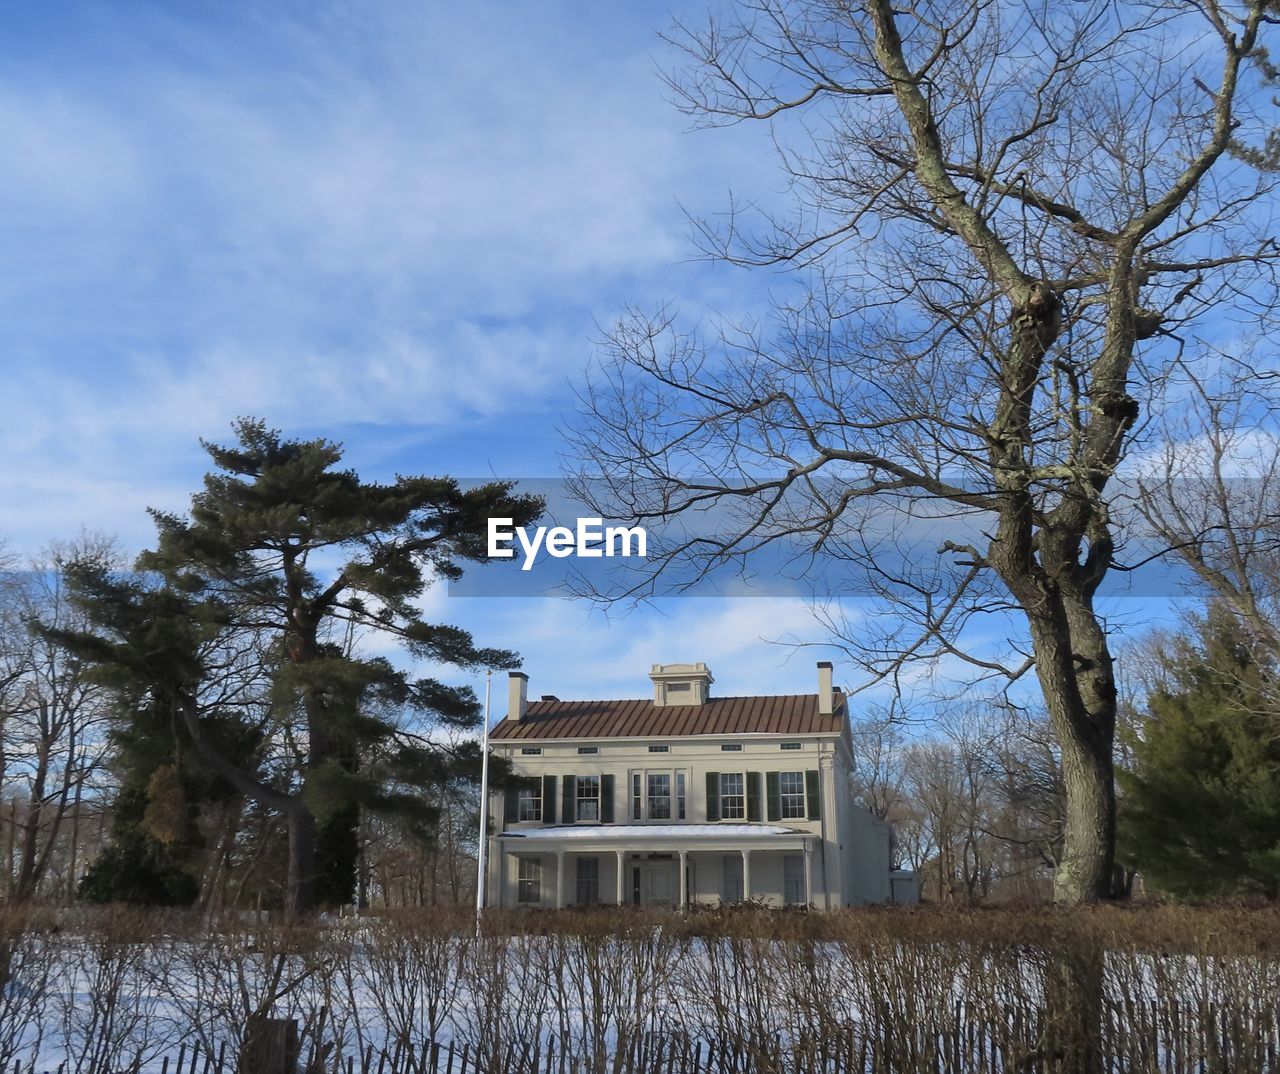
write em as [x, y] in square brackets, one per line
[681, 798]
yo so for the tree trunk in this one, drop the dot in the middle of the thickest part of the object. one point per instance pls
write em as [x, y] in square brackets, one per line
[1073, 998]
[26, 884]
[271, 1046]
[73, 865]
[300, 894]
[1075, 676]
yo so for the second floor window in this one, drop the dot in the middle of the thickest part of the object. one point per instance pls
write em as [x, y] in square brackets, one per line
[733, 796]
[530, 804]
[659, 795]
[791, 787]
[588, 797]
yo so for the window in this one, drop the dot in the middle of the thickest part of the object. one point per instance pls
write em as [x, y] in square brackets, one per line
[530, 804]
[588, 797]
[793, 879]
[731, 878]
[588, 749]
[733, 798]
[791, 787]
[790, 746]
[531, 751]
[588, 882]
[659, 749]
[659, 795]
[731, 747]
[529, 885]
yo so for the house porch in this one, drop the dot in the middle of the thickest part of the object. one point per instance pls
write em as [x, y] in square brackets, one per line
[651, 865]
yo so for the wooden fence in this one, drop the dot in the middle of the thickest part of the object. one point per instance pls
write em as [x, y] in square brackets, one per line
[1132, 1038]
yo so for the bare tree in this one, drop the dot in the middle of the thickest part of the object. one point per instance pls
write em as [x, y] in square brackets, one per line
[877, 763]
[55, 728]
[1011, 220]
[1211, 494]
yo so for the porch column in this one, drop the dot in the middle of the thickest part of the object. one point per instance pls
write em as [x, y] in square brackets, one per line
[496, 896]
[808, 875]
[560, 899]
[621, 895]
[746, 876]
[684, 879]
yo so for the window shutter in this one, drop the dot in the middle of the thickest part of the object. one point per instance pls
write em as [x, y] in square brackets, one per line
[753, 796]
[548, 799]
[713, 796]
[773, 795]
[812, 793]
[510, 805]
[606, 799]
[570, 812]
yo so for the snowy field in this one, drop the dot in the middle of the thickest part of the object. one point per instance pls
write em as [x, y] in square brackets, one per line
[98, 997]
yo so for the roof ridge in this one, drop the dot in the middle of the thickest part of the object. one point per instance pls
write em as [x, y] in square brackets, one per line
[603, 718]
[649, 700]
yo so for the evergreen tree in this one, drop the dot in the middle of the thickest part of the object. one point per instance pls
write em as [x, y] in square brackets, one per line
[1200, 814]
[152, 647]
[258, 608]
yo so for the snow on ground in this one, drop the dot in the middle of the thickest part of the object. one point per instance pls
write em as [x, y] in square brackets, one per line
[107, 1009]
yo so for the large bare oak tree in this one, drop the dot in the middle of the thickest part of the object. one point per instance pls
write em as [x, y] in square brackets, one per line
[1011, 219]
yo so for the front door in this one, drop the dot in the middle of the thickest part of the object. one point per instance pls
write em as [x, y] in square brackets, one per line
[662, 884]
[654, 883]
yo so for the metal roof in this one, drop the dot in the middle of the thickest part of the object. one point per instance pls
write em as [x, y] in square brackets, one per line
[787, 714]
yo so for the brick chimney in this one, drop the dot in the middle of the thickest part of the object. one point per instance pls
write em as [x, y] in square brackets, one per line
[826, 692]
[517, 696]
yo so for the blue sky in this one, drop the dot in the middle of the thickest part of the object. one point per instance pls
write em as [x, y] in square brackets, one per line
[398, 225]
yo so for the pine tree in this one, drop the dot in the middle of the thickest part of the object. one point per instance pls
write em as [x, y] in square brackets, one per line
[1200, 814]
[259, 605]
[151, 646]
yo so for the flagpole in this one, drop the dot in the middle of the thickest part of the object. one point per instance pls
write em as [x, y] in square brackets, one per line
[482, 858]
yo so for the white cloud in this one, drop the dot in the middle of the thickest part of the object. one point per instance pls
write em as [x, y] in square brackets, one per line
[392, 215]
[574, 651]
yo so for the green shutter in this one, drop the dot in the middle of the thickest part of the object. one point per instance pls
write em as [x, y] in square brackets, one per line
[713, 796]
[548, 799]
[812, 793]
[570, 812]
[606, 799]
[510, 805]
[773, 795]
[753, 796]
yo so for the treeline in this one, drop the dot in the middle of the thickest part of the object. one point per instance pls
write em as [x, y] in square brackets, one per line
[229, 721]
[977, 803]
[233, 719]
